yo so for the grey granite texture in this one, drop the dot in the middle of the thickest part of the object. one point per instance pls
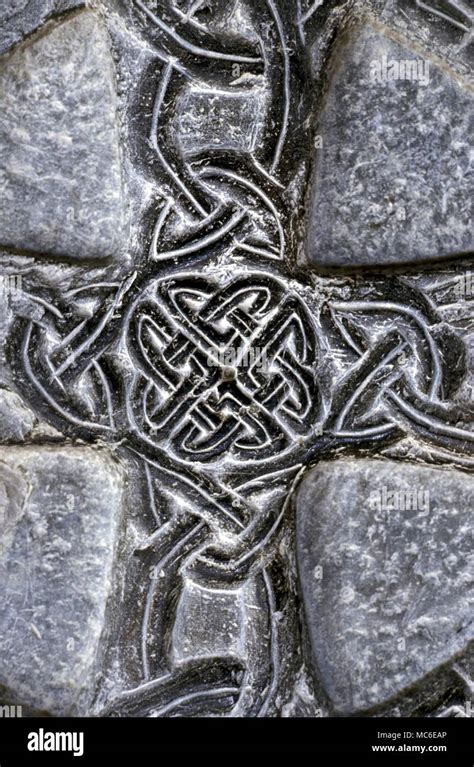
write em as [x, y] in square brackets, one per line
[385, 555]
[60, 513]
[61, 188]
[392, 181]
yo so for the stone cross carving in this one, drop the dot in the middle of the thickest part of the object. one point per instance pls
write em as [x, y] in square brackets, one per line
[219, 367]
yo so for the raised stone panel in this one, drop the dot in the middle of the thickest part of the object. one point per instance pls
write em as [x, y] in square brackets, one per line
[60, 161]
[60, 515]
[386, 567]
[391, 181]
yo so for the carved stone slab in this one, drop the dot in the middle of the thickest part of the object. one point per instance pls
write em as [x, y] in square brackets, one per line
[236, 248]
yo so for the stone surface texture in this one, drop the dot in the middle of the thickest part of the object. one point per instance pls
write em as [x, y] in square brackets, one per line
[20, 18]
[392, 181]
[60, 512]
[385, 553]
[60, 168]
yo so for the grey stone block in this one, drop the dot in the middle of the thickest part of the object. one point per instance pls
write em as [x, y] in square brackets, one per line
[391, 183]
[385, 560]
[60, 512]
[220, 120]
[212, 621]
[60, 168]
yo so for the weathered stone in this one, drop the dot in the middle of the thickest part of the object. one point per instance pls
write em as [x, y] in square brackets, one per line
[387, 580]
[183, 337]
[391, 182]
[219, 120]
[16, 420]
[19, 18]
[59, 517]
[60, 169]
[212, 622]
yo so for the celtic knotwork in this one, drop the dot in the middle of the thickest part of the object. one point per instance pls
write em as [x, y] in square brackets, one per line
[64, 340]
[407, 363]
[455, 12]
[225, 198]
[223, 370]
